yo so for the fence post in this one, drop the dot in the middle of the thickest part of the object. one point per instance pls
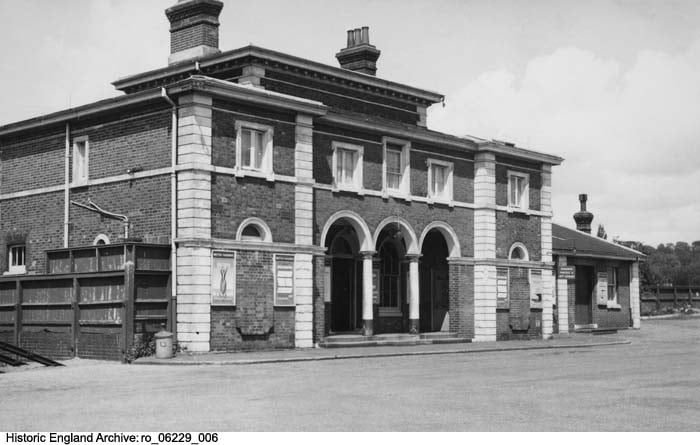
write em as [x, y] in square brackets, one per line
[658, 301]
[76, 315]
[18, 313]
[128, 317]
[675, 296]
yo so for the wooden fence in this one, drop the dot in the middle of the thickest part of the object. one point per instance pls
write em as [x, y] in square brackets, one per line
[656, 299]
[92, 302]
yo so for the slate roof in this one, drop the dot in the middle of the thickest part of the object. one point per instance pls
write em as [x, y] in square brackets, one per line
[570, 242]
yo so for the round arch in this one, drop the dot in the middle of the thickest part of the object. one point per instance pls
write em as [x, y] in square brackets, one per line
[263, 229]
[453, 247]
[101, 239]
[364, 236]
[406, 230]
[520, 252]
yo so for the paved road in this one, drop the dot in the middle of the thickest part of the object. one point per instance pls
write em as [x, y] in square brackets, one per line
[652, 384]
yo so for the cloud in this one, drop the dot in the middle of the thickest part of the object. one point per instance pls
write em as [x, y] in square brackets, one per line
[629, 135]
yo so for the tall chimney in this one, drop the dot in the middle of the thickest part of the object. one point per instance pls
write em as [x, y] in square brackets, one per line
[359, 55]
[194, 29]
[583, 217]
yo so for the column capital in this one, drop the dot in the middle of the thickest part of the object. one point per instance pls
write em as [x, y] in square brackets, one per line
[413, 257]
[367, 254]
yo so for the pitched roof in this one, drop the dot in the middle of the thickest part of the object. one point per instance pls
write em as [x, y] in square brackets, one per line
[572, 242]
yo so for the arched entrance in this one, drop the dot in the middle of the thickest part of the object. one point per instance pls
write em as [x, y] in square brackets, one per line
[392, 270]
[346, 279]
[434, 283]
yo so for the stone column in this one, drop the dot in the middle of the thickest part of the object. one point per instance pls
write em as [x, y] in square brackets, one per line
[546, 249]
[413, 295]
[367, 303]
[303, 231]
[484, 247]
[194, 222]
[634, 295]
[563, 299]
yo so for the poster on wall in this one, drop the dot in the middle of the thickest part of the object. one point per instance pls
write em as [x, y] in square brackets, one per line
[284, 280]
[375, 285]
[223, 278]
[602, 288]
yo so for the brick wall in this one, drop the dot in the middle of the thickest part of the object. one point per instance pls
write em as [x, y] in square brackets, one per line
[519, 320]
[145, 201]
[462, 177]
[190, 37]
[235, 199]
[518, 227]
[37, 222]
[320, 325]
[143, 143]
[224, 134]
[254, 322]
[374, 210]
[33, 161]
[462, 299]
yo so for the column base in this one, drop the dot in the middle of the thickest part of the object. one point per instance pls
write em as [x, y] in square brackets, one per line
[367, 328]
[413, 326]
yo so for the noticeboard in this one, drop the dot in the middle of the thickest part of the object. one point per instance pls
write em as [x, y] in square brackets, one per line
[284, 280]
[567, 272]
[223, 278]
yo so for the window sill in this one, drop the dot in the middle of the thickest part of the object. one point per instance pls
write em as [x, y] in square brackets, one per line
[613, 306]
[513, 209]
[396, 194]
[345, 188]
[15, 272]
[442, 201]
[242, 172]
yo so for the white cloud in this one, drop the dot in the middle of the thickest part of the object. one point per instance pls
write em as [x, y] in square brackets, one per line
[629, 136]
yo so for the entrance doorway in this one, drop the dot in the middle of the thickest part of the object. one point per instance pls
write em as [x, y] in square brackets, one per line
[346, 280]
[434, 284]
[584, 295]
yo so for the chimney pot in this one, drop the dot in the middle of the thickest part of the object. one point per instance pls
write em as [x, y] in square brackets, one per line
[583, 217]
[359, 55]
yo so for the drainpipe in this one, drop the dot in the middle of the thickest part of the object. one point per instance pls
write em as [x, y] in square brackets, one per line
[173, 212]
[66, 188]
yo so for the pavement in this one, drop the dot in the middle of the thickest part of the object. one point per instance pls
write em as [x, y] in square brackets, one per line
[563, 341]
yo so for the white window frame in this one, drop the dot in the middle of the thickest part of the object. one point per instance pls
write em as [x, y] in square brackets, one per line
[263, 228]
[11, 253]
[521, 246]
[536, 298]
[524, 201]
[266, 165]
[447, 198]
[613, 284]
[404, 190]
[80, 180]
[356, 185]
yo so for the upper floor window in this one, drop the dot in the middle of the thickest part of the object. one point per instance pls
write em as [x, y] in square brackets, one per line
[518, 190]
[536, 287]
[347, 166]
[518, 251]
[254, 229]
[254, 147]
[81, 154]
[16, 259]
[439, 180]
[396, 166]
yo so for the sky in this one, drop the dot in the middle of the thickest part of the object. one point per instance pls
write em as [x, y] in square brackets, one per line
[613, 87]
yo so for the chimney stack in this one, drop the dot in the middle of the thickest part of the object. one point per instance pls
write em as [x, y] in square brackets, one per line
[583, 217]
[359, 55]
[194, 29]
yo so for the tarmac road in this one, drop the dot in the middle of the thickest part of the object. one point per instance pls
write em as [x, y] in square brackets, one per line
[652, 384]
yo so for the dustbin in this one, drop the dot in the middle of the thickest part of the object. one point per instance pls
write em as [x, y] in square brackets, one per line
[164, 344]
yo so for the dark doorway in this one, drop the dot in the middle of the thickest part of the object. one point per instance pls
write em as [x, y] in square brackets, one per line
[434, 284]
[346, 280]
[584, 295]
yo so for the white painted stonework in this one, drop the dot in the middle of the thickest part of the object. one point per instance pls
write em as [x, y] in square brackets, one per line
[546, 252]
[634, 295]
[563, 299]
[194, 221]
[484, 303]
[303, 232]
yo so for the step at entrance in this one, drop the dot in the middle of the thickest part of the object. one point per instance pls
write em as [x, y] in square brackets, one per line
[398, 339]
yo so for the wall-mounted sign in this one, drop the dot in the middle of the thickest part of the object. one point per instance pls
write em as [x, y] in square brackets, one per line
[284, 280]
[223, 278]
[567, 272]
[375, 285]
[602, 288]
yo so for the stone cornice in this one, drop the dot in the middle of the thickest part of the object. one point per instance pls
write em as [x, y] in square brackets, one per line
[273, 247]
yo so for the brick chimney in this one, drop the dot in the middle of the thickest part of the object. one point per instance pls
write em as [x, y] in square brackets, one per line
[194, 29]
[583, 217]
[359, 55]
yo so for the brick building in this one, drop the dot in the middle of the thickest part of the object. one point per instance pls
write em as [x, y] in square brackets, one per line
[597, 281]
[299, 200]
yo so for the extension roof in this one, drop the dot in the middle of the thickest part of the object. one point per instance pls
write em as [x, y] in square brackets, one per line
[570, 242]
